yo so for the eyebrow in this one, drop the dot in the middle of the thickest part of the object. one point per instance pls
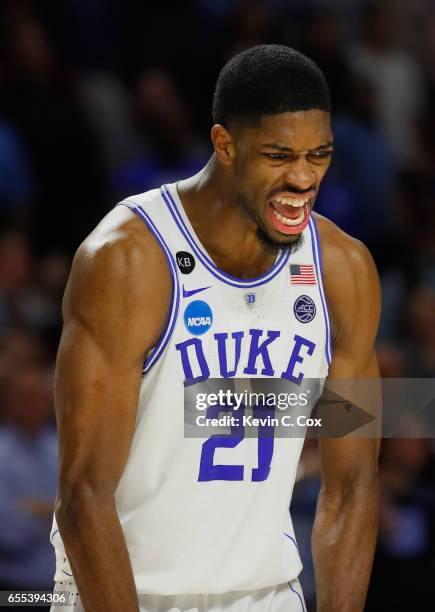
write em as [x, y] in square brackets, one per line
[274, 145]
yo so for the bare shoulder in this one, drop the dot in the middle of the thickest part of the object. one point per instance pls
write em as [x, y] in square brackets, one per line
[341, 249]
[350, 277]
[119, 266]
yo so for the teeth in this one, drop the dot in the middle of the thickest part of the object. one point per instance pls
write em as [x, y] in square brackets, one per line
[286, 221]
[291, 202]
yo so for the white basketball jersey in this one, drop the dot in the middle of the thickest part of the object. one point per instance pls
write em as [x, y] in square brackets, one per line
[211, 514]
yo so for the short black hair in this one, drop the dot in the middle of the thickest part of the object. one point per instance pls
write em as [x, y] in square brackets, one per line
[267, 80]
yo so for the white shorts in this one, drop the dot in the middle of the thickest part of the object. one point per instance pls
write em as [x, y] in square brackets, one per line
[285, 597]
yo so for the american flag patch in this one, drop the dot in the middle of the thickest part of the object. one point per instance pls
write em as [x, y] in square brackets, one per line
[302, 274]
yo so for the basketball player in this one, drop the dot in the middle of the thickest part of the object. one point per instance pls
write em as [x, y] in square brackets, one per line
[217, 276]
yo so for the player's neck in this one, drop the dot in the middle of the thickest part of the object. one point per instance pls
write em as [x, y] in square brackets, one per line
[221, 225]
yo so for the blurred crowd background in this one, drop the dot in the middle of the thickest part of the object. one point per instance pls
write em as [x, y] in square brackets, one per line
[100, 99]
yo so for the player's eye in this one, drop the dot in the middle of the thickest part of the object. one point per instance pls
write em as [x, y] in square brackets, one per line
[275, 155]
[320, 154]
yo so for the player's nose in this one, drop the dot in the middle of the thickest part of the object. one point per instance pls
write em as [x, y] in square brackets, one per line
[300, 175]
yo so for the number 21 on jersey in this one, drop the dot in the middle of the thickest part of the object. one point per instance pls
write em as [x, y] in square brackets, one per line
[208, 470]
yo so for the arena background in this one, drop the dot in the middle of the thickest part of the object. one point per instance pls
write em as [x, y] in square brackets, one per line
[104, 98]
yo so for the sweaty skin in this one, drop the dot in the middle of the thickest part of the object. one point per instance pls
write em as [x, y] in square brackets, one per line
[115, 308]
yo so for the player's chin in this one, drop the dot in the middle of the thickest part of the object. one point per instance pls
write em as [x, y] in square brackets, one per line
[272, 237]
[284, 239]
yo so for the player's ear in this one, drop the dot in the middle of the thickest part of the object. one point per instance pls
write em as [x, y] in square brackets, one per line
[223, 144]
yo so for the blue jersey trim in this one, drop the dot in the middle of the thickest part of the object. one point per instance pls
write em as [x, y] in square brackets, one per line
[292, 539]
[175, 293]
[300, 598]
[206, 261]
[315, 245]
[319, 256]
[53, 534]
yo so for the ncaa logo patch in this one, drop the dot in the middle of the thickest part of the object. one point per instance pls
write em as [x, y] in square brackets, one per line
[304, 309]
[198, 317]
[185, 262]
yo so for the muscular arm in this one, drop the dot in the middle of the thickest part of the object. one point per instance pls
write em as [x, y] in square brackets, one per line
[345, 528]
[115, 307]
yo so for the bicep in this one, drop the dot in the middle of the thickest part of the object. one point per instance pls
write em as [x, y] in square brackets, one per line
[95, 406]
[354, 373]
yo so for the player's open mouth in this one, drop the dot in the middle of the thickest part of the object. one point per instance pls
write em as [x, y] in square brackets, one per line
[289, 215]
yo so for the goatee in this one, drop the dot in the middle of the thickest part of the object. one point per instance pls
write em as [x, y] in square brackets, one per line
[291, 247]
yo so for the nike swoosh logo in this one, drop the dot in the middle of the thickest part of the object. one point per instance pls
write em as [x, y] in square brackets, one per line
[193, 291]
